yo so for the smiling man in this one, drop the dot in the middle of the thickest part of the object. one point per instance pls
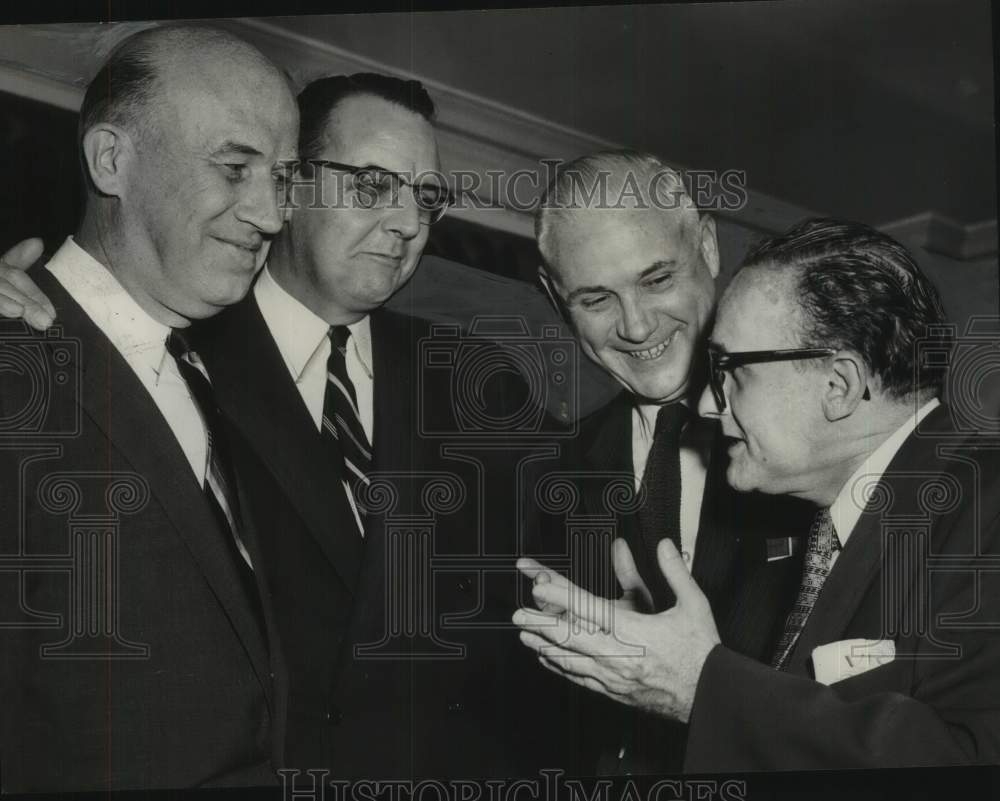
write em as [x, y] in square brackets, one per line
[828, 359]
[632, 265]
[136, 654]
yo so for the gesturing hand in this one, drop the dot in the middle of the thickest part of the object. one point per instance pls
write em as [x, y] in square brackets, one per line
[649, 661]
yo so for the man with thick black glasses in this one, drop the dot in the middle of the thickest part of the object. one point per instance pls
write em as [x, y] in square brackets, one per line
[828, 358]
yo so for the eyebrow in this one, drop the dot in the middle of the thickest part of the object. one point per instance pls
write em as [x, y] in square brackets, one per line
[657, 265]
[236, 147]
[654, 267]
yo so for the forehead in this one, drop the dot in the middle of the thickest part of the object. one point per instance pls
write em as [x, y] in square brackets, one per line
[216, 109]
[757, 312]
[614, 246]
[364, 130]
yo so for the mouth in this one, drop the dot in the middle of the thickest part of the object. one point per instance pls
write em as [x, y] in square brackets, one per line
[386, 258]
[249, 247]
[655, 352]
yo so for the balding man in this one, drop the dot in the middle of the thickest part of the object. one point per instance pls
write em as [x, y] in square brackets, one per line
[632, 264]
[828, 357]
[136, 651]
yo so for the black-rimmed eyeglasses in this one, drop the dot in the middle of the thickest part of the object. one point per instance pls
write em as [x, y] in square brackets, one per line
[720, 361]
[377, 187]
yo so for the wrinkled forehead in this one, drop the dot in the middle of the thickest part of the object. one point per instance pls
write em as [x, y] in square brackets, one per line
[210, 102]
[616, 242]
[365, 130]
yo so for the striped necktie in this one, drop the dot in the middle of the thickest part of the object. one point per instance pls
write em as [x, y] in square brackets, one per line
[220, 480]
[342, 423]
[819, 556]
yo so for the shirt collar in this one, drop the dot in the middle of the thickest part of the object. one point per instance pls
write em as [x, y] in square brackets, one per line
[845, 512]
[300, 334]
[136, 335]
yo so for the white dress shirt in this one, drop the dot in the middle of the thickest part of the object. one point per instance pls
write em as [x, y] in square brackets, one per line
[694, 454]
[846, 509]
[142, 342]
[304, 342]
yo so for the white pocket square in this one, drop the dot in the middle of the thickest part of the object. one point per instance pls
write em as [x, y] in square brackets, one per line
[837, 661]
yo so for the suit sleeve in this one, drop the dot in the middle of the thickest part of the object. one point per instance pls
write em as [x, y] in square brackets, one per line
[926, 707]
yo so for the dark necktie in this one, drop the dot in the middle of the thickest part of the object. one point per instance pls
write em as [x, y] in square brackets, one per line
[660, 515]
[822, 544]
[220, 480]
[342, 421]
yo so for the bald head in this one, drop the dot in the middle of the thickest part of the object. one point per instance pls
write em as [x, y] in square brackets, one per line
[141, 70]
[609, 186]
[186, 136]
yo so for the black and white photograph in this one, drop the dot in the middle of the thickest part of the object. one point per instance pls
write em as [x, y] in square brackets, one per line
[556, 403]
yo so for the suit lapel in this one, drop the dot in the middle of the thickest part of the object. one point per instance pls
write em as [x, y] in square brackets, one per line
[112, 396]
[719, 528]
[257, 393]
[607, 447]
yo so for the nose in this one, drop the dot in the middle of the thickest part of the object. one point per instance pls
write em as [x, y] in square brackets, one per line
[259, 206]
[707, 405]
[635, 323]
[402, 218]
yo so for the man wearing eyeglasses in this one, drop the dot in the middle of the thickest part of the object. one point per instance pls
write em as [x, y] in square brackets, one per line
[635, 275]
[828, 357]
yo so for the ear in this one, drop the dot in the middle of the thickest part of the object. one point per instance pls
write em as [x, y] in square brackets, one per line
[549, 287]
[107, 151]
[709, 243]
[847, 386]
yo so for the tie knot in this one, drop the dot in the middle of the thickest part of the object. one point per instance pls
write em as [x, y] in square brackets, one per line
[339, 334]
[179, 343]
[670, 420]
[824, 532]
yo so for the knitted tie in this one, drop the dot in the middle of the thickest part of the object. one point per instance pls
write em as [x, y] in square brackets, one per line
[819, 554]
[660, 515]
[342, 421]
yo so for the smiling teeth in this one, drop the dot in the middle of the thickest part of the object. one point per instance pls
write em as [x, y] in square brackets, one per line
[652, 353]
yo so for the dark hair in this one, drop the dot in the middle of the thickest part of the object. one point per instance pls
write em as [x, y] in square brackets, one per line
[861, 290]
[318, 100]
[119, 93]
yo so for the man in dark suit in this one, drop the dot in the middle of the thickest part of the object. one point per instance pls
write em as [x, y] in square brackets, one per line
[828, 357]
[632, 265]
[337, 398]
[136, 651]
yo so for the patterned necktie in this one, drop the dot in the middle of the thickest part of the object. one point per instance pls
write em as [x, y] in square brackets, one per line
[220, 481]
[819, 555]
[660, 515]
[342, 422]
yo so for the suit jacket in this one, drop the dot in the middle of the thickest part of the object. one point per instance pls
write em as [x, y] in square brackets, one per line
[133, 656]
[425, 695]
[750, 596]
[916, 570]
